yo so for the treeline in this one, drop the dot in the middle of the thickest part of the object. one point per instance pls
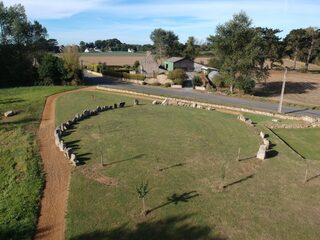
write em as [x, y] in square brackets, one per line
[113, 44]
[27, 56]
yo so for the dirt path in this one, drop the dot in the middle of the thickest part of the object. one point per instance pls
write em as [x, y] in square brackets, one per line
[57, 171]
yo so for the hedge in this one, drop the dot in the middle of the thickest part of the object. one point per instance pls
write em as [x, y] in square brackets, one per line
[123, 75]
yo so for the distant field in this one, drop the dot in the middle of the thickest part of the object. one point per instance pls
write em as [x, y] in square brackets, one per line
[21, 179]
[181, 152]
[115, 53]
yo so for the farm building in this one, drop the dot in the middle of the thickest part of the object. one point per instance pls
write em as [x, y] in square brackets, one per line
[179, 62]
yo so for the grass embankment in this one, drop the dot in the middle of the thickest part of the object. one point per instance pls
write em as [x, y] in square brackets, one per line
[261, 200]
[20, 172]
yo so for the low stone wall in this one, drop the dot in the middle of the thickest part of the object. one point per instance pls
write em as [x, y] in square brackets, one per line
[314, 122]
[95, 73]
[59, 131]
[135, 81]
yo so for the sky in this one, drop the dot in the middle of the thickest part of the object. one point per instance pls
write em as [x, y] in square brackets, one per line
[72, 21]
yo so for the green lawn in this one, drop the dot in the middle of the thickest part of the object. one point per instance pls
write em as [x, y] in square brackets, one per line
[20, 172]
[262, 200]
[305, 141]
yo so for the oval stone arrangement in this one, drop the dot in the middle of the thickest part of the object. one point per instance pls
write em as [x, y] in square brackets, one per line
[59, 131]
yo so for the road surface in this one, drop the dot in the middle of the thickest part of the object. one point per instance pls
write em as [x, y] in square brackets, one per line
[189, 93]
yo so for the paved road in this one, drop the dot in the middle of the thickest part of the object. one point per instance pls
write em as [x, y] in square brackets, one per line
[201, 96]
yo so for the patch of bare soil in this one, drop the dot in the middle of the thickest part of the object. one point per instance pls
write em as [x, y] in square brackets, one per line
[301, 88]
[92, 172]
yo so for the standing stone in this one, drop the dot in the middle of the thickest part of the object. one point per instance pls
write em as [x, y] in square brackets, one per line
[241, 118]
[115, 106]
[194, 105]
[155, 102]
[61, 146]
[121, 105]
[262, 135]
[266, 142]
[135, 102]
[262, 152]
[165, 102]
[9, 113]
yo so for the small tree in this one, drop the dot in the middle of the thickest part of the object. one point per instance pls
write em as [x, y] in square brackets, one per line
[197, 81]
[143, 190]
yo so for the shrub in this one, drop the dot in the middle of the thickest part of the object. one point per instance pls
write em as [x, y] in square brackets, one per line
[196, 80]
[167, 84]
[219, 81]
[246, 84]
[178, 76]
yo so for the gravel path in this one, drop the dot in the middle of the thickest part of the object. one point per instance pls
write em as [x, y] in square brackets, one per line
[51, 224]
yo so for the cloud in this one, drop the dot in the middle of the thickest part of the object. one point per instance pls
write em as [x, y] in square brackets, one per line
[55, 9]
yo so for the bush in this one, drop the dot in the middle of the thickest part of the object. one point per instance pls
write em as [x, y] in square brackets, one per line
[246, 84]
[219, 81]
[167, 84]
[196, 80]
[178, 76]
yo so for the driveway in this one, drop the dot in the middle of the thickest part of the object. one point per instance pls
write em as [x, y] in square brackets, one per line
[201, 96]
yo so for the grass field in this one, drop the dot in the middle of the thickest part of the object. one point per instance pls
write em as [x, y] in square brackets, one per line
[20, 172]
[305, 141]
[181, 153]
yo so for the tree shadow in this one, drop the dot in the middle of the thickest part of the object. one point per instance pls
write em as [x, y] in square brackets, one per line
[170, 228]
[173, 166]
[125, 160]
[176, 199]
[274, 88]
[238, 181]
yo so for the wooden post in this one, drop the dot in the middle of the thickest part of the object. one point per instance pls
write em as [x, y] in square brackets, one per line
[238, 158]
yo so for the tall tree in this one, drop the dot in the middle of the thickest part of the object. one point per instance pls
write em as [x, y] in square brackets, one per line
[295, 42]
[166, 43]
[191, 50]
[236, 45]
[313, 42]
[70, 56]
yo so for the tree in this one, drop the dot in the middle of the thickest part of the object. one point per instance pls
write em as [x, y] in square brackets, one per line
[166, 43]
[51, 70]
[236, 45]
[313, 41]
[82, 46]
[270, 46]
[143, 190]
[295, 42]
[70, 56]
[191, 51]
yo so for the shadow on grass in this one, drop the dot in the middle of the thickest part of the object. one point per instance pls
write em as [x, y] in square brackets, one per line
[176, 199]
[247, 158]
[23, 232]
[238, 181]
[173, 166]
[171, 228]
[271, 154]
[125, 160]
